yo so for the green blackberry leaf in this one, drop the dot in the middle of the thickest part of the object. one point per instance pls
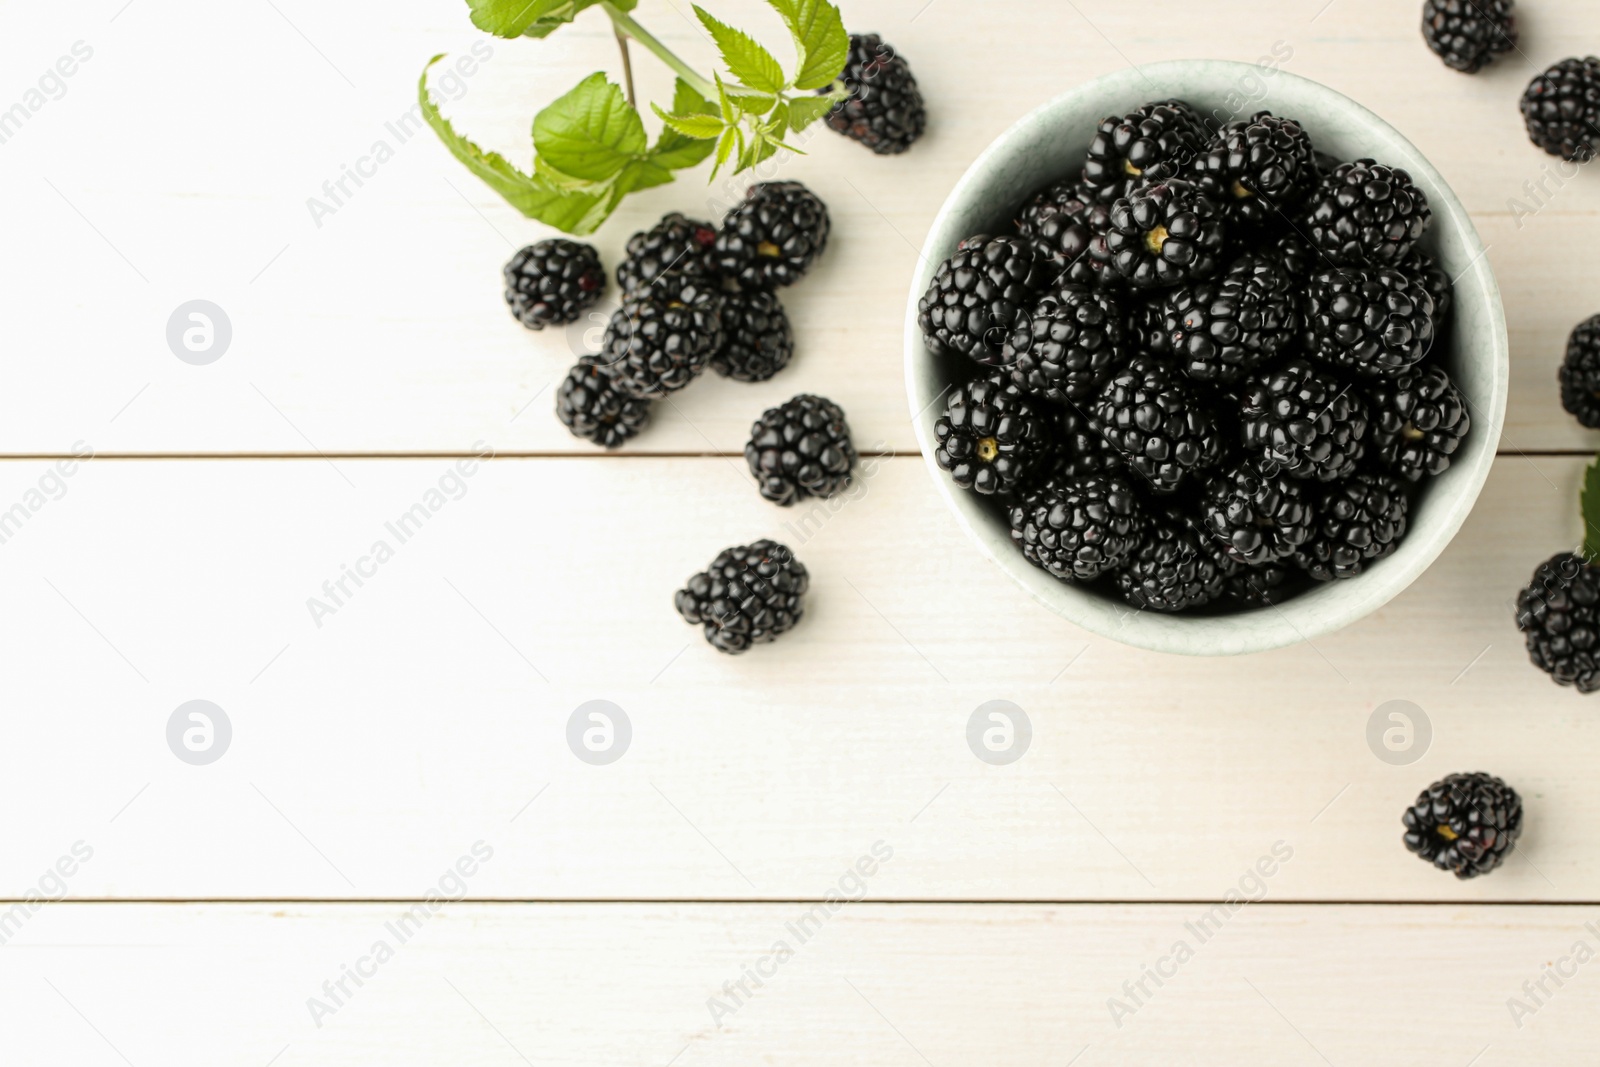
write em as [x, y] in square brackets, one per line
[675, 149]
[819, 37]
[698, 127]
[1589, 504]
[753, 65]
[514, 18]
[805, 110]
[590, 133]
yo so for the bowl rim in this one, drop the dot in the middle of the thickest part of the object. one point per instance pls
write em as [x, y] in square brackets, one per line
[1200, 635]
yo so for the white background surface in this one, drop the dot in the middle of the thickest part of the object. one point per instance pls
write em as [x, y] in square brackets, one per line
[428, 713]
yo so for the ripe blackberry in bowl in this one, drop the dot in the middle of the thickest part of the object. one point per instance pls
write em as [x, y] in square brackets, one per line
[1418, 421]
[757, 340]
[1163, 427]
[553, 282]
[801, 448]
[970, 305]
[1077, 529]
[1580, 373]
[1172, 570]
[1267, 585]
[1256, 517]
[1155, 142]
[661, 340]
[1260, 170]
[1561, 109]
[588, 404]
[1468, 34]
[1081, 447]
[1066, 226]
[1165, 234]
[773, 236]
[1222, 330]
[1372, 321]
[1366, 213]
[1066, 344]
[992, 437]
[1464, 823]
[676, 244]
[1303, 421]
[1359, 520]
[884, 110]
[749, 595]
[1559, 616]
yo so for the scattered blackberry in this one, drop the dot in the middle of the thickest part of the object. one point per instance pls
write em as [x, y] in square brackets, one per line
[1559, 612]
[1418, 421]
[1256, 517]
[799, 449]
[1156, 142]
[1304, 421]
[1359, 520]
[975, 296]
[1464, 823]
[1171, 570]
[1065, 345]
[1433, 278]
[661, 340]
[1561, 109]
[1166, 234]
[771, 239]
[676, 244]
[1260, 171]
[884, 110]
[1222, 330]
[590, 406]
[1080, 447]
[1374, 321]
[553, 282]
[992, 438]
[1078, 528]
[1580, 373]
[1468, 34]
[757, 339]
[1270, 583]
[1159, 423]
[749, 595]
[1366, 213]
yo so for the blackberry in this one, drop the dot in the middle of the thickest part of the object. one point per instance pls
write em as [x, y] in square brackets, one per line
[1366, 213]
[1464, 823]
[1433, 278]
[1160, 423]
[1297, 256]
[800, 449]
[771, 239]
[1468, 34]
[1374, 321]
[1156, 142]
[1270, 583]
[1260, 171]
[974, 298]
[1359, 520]
[1222, 330]
[661, 340]
[1078, 528]
[1561, 109]
[676, 244]
[1559, 612]
[1418, 421]
[1080, 447]
[757, 338]
[1066, 227]
[884, 110]
[1147, 324]
[748, 596]
[1166, 234]
[591, 407]
[1065, 345]
[1256, 517]
[1171, 570]
[992, 438]
[553, 282]
[1580, 373]
[1303, 421]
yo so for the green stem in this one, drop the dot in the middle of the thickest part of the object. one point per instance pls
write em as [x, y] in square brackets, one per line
[626, 25]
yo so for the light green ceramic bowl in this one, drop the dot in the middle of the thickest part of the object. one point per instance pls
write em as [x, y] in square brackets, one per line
[1050, 142]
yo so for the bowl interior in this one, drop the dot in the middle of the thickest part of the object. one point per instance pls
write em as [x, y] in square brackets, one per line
[1047, 145]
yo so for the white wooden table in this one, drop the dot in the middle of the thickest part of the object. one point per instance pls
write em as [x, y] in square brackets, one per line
[617, 914]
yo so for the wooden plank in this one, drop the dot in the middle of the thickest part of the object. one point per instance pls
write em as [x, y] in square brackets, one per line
[431, 704]
[583, 984]
[380, 327]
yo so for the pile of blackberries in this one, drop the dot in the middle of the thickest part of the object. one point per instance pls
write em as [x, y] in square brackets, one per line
[1206, 368]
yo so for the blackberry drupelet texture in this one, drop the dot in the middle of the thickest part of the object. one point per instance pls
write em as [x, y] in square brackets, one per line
[661, 340]
[773, 236]
[1468, 34]
[1165, 234]
[757, 340]
[1080, 446]
[974, 298]
[1260, 170]
[992, 438]
[801, 448]
[1304, 421]
[1421, 266]
[1066, 227]
[553, 282]
[1359, 520]
[1561, 109]
[591, 407]
[676, 244]
[1146, 328]
[1078, 528]
[1257, 517]
[1222, 330]
[1559, 616]
[1373, 321]
[1464, 823]
[1159, 422]
[1171, 570]
[1067, 344]
[1366, 213]
[1270, 583]
[884, 110]
[1580, 373]
[1418, 421]
[1156, 142]
[749, 595]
